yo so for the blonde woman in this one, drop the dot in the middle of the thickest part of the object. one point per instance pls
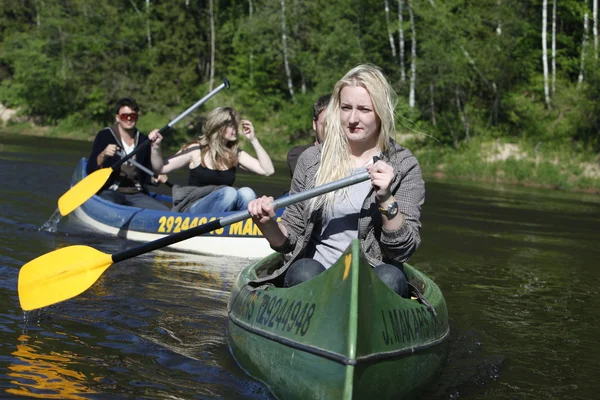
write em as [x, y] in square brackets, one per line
[382, 212]
[212, 160]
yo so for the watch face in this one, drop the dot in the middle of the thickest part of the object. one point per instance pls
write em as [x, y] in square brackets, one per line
[393, 209]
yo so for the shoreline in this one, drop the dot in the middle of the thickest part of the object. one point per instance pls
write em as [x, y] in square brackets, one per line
[533, 185]
[490, 163]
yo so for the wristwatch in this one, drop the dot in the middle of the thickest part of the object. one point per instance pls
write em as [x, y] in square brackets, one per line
[390, 211]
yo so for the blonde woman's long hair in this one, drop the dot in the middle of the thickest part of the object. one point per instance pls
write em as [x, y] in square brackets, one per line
[335, 156]
[223, 155]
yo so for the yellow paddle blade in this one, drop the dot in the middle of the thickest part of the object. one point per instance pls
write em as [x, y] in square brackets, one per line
[83, 190]
[60, 275]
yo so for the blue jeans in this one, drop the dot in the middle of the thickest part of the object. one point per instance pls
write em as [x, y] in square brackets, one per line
[224, 199]
[394, 278]
[302, 270]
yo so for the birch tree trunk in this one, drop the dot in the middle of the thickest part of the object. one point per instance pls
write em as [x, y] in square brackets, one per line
[583, 49]
[63, 58]
[401, 41]
[499, 26]
[387, 24]
[148, 34]
[495, 107]
[298, 37]
[37, 11]
[211, 12]
[286, 64]
[553, 47]
[545, 51]
[463, 116]
[413, 57]
[432, 105]
[251, 55]
[595, 28]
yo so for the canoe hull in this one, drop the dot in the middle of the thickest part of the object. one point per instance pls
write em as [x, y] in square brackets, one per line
[242, 239]
[342, 335]
[316, 377]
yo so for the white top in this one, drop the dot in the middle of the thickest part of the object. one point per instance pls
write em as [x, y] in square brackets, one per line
[128, 149]
[340, 222]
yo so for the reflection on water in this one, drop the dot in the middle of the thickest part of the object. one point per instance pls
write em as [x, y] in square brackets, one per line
[152, 327]
[45, 376]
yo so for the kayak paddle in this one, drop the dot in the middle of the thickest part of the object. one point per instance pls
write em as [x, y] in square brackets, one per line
[141, 167]
[91, 184]
[67, 272]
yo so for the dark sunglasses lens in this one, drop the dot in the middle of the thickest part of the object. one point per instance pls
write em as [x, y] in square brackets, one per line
[129, 117]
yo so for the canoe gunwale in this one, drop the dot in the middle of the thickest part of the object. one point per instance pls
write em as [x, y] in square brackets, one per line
[335, 356]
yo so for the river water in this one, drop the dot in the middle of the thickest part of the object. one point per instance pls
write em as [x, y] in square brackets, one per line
[518, 268]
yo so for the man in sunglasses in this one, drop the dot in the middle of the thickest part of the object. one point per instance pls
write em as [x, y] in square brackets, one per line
[126, 185]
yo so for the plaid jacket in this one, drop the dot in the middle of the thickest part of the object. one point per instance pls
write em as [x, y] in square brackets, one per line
[379, 245]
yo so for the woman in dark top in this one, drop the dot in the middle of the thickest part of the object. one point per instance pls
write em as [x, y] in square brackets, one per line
[212, 160]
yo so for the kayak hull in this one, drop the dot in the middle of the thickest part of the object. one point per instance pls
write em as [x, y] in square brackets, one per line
[341, 335]
[242, 239]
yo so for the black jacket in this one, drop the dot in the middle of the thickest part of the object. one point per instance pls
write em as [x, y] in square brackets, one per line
[108, 136]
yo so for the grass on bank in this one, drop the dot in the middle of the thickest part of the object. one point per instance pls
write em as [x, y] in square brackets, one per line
[558, 166]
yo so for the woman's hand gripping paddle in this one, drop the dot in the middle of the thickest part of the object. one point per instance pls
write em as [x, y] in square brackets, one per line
[67, 272]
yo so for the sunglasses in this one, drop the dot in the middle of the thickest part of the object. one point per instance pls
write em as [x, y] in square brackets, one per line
[129, 117]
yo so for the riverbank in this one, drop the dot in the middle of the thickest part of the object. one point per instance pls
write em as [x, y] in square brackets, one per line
[519, 162]
[551, 166]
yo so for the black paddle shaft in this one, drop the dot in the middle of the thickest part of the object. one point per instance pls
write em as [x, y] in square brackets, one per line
[239, 216]
[146, 170]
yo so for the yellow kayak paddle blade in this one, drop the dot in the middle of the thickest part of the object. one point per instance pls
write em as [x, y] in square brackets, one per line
[60, 275]
[83, 190]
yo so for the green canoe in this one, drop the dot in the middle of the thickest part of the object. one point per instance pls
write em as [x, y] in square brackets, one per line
[341, 335]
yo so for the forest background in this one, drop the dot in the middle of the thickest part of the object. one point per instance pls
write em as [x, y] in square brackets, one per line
[494, 90]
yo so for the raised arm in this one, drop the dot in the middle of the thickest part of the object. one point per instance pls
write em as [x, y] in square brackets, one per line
[262, 165]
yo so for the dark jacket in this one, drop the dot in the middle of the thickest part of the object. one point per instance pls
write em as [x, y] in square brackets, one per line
[294, 154]
[108, 136]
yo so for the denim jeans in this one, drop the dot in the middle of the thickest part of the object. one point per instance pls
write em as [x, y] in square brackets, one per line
[394, 278]
[302, 270]
[224, 199]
